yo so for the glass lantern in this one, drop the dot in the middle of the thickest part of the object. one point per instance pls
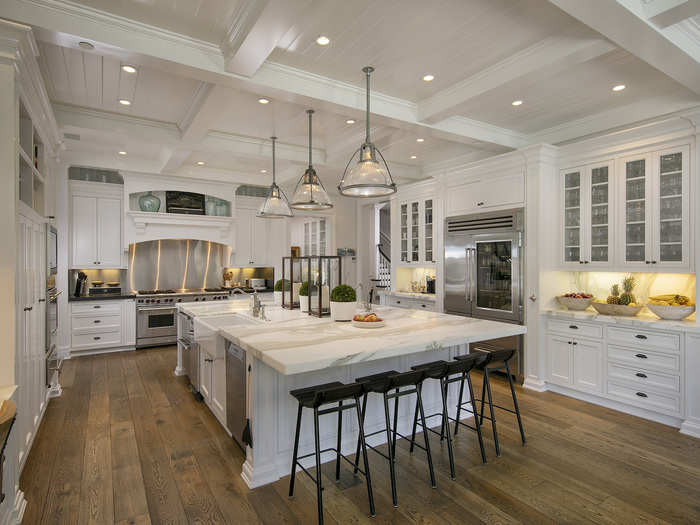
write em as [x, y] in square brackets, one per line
[295, 270]
[324, 274]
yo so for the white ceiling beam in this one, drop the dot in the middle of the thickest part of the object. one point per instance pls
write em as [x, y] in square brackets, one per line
[664, 13]
[255, 32]
[638, 36]
[545, 58]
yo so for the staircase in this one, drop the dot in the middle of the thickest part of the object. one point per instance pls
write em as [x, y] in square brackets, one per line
[383, 269]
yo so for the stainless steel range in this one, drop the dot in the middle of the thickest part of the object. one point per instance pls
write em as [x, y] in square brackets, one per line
[156, 312]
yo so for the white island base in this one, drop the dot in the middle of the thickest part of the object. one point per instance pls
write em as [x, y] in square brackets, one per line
[305, 351]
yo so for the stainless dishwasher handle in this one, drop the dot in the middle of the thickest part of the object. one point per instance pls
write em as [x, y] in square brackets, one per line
[185, 344]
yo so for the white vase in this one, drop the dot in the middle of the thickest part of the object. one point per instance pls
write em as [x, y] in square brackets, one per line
[343, 311]
[278, 297]
[304, 303]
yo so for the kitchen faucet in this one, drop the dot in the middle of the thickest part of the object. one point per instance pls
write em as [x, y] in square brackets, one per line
[255, 307]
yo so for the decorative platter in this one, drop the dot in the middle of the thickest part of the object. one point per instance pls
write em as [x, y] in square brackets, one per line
[365, 324]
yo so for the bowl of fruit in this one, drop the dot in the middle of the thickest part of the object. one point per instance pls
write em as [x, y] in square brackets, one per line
[367, 321]
[671, 306]
[575, 301]
[618, 303]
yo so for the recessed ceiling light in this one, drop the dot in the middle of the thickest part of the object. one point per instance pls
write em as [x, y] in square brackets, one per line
[122, 152]
[263, 101]
[128, 69]
[263, 171]
[413, 157]
[350, 121]
[429, 78]
[517, 103]
[619, 87]
[125, 102]
[420, 140]
[323, 40]
[86, 45]
[200, 163]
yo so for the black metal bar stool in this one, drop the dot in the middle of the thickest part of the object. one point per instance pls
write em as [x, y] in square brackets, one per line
[314, 397]
[389, 384]
[497, 360]
[452, 372]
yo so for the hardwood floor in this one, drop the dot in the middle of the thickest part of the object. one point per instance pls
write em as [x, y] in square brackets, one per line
[127, 443]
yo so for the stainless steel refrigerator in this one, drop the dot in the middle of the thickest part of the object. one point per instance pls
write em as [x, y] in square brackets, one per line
[483, 271]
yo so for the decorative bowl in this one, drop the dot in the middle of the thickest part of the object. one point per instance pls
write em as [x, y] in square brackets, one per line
[616, 309]
[674, 313]
[574, 303]
[365, 324]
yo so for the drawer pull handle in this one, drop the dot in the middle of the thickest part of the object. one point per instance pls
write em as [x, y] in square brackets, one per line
[398, 302]
[422, 306]
[97, 338]
[641, 394]
[97, 306]
[97, 321]
[640, 336]
[640, 356]
[643, 376]
[573, 327]
[574, 343]
[208, 360]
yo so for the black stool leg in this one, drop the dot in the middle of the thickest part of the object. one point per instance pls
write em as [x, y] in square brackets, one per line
[493, 415]
[425, 437]
[392, 451]
[459, 402]
[446, 427]
[442, 422]
[295, 454]
[415, 424]
[515, 403]
[359, 444]
[396, 419]
[319, 489]
[360, 420]
[483, 396]
[476, 418]
[340, 435]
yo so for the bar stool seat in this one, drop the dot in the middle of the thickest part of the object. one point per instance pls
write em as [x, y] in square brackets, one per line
[384, 383]
[315, 397]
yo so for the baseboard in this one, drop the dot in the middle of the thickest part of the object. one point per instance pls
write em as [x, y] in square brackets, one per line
[79, 353]
[535, 384]
[15, 513]
[616, 405]
[691, 427]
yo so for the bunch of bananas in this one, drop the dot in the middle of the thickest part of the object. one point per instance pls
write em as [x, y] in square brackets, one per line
[671, 299]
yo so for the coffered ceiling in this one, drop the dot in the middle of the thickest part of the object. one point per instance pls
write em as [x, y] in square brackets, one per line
[203, 65]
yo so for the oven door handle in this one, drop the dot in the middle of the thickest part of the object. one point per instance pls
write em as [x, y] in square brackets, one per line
[158, 309]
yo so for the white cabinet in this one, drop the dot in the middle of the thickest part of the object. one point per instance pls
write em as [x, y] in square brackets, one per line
[486, 194]
[96, 225]
[414, 303]
[213, 382]
[576, 363]
[416, 231]
[560, 360]
[315, 236]
[259, 242]
[655, 211]
[586, 199]
[103, 324]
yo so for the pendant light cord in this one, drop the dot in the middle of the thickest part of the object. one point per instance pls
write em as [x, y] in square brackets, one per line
[367, 71]
[274, 179]
[310, 112]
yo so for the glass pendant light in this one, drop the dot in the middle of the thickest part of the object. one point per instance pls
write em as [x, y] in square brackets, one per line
[310, 193]
[276, 205]
[369, 177]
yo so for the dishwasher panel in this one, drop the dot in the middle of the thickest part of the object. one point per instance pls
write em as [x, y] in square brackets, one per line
[236, 419]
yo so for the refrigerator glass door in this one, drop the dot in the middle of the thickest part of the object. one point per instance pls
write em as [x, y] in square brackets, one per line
[495, 277]
[456, 279]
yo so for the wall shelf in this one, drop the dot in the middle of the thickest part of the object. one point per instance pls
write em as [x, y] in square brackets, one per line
[143, 220]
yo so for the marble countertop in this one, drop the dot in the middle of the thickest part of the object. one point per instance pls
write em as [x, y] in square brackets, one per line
[6, 392]
[231, 306]
[643, 320]
[303, 343]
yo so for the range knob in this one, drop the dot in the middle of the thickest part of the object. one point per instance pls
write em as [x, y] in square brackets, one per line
[196, 298]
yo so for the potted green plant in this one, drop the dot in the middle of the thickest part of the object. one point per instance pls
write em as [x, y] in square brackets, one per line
[280, 286]
[304, 300]
[343, 303]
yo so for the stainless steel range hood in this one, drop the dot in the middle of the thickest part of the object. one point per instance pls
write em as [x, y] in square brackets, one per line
[177, 264]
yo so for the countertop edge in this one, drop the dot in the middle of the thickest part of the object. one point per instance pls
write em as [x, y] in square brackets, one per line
[652, 323]
[73, 299]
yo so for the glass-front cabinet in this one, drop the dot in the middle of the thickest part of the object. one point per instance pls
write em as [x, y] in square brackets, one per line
[586, 206]
[655, 216]
[416, 231]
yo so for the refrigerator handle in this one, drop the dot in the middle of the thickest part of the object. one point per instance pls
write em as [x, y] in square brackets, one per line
[472, 275]
[467, 273]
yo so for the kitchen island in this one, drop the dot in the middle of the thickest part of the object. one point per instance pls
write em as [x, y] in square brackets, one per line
[295, 350]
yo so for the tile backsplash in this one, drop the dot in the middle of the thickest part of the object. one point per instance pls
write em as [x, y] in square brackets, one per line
[647, 284]
[404, 276]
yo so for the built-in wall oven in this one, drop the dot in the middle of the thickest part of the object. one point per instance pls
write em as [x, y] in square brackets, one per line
[155, 325]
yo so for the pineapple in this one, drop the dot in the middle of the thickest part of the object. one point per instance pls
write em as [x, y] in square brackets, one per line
[614, 298]
[627, 296]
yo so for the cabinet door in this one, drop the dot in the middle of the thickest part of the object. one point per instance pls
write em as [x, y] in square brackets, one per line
[244, 230]
[260, 241]
[597, 219]
[636, 211]
[205, 376]
[670, 218]
[404, 232]
[572, 184]
[560, 350]
[428, 230]
[588, 365]
[218, 389]
[84, 231]
[109, 232]
[415, 231]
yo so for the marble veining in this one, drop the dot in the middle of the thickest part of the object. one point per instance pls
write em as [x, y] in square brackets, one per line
[643, 320]
[308, 343]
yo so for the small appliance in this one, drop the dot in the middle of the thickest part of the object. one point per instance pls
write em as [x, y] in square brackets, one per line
[80, 284]
[184, 202]
[430, 285]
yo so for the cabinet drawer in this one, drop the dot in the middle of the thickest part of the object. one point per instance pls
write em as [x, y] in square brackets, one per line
[645, 398]
[400, 302]
[576, 329]
[100, 323]
[645, 359]
[102, 307]
[424, 305]
[643, 339]
[643, 378]
[96, 340]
